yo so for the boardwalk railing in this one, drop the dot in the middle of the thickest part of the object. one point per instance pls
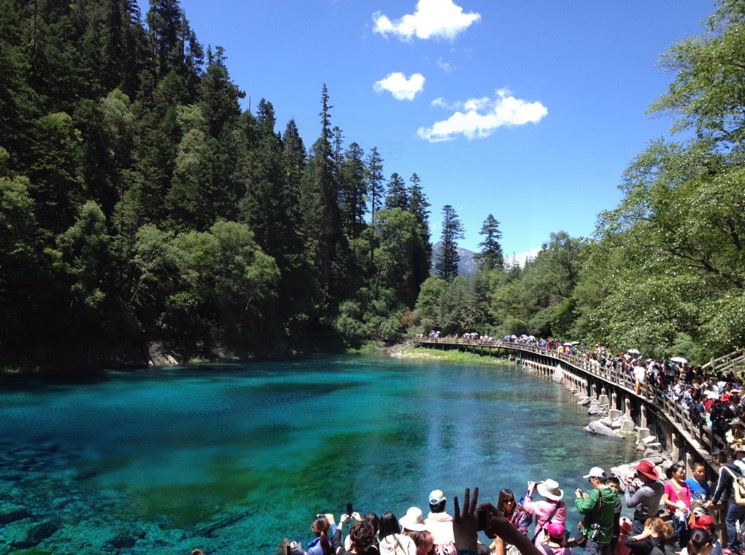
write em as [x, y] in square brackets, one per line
[699, 437]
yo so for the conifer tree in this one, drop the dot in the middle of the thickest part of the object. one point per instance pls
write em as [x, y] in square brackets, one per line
[491, 257]
[397, 196]
[452, 230]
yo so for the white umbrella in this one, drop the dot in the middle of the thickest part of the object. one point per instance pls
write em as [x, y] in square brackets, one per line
[633, 351]
[680, 360]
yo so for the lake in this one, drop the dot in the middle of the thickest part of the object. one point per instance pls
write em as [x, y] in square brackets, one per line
[234, 457]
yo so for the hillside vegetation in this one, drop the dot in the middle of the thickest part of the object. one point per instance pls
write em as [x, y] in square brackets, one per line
[140, 205]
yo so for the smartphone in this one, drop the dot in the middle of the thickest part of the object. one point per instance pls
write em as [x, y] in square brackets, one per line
[350, 509]
[288, 549]
[483, 517]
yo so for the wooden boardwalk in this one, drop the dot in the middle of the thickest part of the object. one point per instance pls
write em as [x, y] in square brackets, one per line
[699, 440]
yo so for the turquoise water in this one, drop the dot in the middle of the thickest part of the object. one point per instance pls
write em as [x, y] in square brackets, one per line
[233, 458]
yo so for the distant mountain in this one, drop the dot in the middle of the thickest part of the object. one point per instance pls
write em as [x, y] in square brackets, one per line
[467, 265]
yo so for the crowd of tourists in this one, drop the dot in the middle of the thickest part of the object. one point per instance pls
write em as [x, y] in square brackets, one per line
[714, 402]
[663, 509]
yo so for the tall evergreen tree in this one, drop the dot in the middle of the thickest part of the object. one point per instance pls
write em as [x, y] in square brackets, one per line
[421, 260]
[375, 184]
[323, 185]
[375, 194]
[397, 196]
[491, 255]
[352, 191]
[452, 230]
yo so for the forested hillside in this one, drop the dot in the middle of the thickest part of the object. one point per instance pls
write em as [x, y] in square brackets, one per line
[141, 204]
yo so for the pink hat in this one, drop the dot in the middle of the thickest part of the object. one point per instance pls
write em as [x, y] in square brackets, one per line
[554, 529]
[626, 524]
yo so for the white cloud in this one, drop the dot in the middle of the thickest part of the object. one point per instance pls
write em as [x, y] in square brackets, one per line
[477, 118]
[401, 87]
[431, 19]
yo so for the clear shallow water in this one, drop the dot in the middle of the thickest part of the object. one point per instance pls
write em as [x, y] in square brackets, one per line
[235, 457]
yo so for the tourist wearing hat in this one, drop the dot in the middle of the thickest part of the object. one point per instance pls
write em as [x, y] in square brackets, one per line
[554, 540]
[413, 520]
[705, 522]
[553, 509]
[625, 526]
[645, 498]
[597, 508]
[439, 523]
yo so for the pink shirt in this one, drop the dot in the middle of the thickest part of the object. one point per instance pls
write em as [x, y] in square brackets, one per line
[683, 494]
[542, 510]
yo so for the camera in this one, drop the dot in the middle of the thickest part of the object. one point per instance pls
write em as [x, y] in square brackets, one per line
[483, 517]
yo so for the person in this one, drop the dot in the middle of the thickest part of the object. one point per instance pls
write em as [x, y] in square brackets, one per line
[423, 541]
[652, 539]
[323, 527]
[699, 543]
[518, 516]
[374, 521]
[677, 498]
[625, 527]
[554, 540]
[724, 491]
[700, 490]
[392, 541]
[465, 527]
[615, 483]
[644, 499]
[362, 534]
[597, 508]
[553, 509]
[705, 522]
[440, 524]
[413, 521]
[739, 456]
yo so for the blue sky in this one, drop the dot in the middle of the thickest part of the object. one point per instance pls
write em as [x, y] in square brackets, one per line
[529, 110]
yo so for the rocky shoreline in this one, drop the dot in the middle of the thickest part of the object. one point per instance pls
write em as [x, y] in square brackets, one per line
[617, 426]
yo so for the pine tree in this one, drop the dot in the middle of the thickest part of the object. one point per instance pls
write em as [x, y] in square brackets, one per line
[491, 257]
[352, 191]
[397, 196]
[452, 230]
[375, 195]
[421, 259]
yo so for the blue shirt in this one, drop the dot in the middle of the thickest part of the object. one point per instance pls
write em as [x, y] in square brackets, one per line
[699, 492]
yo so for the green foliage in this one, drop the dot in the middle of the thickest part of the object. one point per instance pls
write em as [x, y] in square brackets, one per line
[452, 230]
[491, 256]
[138, 201]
